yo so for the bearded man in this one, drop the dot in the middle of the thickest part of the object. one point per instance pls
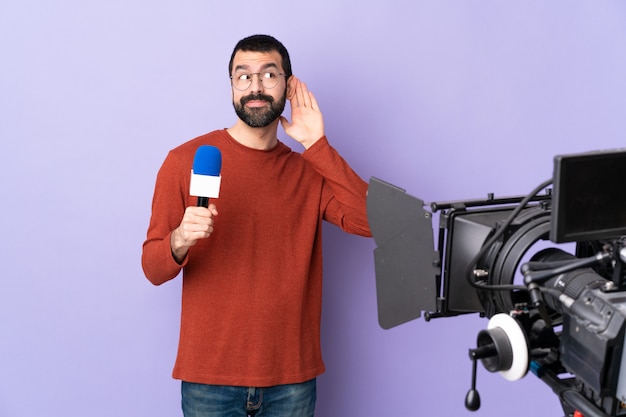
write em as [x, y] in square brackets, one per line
[252, 276]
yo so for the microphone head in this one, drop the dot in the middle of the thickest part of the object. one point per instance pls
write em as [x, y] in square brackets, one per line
[207, 161]
[205, 173]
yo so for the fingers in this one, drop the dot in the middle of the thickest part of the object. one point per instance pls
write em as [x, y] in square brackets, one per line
[197, 224]
[299, 94]
[213, 209]
[302, 92]
[313, 102]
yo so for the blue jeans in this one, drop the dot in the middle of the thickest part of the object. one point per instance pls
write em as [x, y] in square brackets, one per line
[295, 400]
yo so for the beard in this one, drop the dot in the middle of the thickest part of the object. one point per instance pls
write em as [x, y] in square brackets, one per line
[260, 116]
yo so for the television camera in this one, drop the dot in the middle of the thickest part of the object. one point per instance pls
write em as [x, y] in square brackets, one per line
[558, 311]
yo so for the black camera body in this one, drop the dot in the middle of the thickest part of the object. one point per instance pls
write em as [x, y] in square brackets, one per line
[559, 313]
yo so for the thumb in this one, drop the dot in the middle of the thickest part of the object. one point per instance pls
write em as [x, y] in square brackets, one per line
[284, 122]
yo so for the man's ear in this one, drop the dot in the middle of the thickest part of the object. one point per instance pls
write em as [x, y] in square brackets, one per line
[290, 86]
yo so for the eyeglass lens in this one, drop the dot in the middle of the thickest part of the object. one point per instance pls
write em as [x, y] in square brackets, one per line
[242, 81]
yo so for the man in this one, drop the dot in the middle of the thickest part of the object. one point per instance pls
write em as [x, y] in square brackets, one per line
[252, 274]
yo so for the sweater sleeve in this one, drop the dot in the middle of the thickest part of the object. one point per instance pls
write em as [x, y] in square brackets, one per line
[344, 194]
[168, 207]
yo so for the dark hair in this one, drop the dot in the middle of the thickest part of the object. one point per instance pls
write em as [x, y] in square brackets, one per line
[262, 43]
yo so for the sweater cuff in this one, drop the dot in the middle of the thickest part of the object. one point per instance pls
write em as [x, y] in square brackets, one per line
[321, 144]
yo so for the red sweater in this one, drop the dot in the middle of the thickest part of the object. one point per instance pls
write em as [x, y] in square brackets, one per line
[251, 300]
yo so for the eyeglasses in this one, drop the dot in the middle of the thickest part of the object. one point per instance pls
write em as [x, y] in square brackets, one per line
[269, 79]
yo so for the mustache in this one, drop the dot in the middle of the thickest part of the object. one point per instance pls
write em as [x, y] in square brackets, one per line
[251, 97]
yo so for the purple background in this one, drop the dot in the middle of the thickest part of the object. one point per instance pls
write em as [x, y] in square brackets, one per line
[448, 99]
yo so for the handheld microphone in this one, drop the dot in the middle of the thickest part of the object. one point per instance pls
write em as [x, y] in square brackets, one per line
[205, 174]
